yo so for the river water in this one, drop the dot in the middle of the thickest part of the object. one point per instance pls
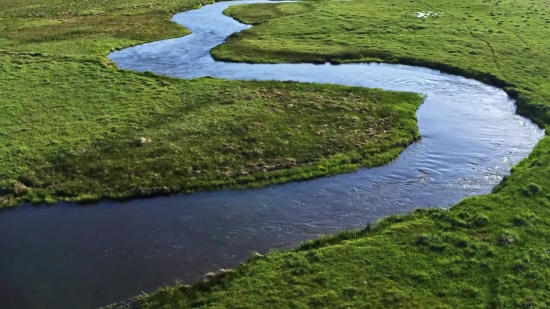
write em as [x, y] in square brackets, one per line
[72, 256]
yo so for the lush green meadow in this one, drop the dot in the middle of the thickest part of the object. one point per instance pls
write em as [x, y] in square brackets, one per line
[74, 127]
[490, 251]
[256, 14]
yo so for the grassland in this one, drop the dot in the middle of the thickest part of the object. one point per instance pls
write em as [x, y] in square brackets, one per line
[489, 251]
[256, 14]
[76, 128]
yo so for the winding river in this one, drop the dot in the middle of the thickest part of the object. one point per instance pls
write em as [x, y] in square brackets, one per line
[71, 256]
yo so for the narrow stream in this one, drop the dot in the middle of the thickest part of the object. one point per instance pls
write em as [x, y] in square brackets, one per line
[71, 256]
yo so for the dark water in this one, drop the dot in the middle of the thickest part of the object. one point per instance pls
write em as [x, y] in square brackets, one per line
[69, 256]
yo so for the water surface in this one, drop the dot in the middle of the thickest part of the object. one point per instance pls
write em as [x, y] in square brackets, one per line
[70, 256]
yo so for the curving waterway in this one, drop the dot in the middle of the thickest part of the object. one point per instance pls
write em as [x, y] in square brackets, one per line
[71, 256]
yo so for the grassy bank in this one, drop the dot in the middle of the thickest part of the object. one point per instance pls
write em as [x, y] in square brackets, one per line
[76, 128]
[490, 251]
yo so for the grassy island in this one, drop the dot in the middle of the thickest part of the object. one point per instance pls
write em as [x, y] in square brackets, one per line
[76, 128]
[489, 251]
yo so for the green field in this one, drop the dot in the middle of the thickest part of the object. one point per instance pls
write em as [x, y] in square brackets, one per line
[76, 128]
[489, 251]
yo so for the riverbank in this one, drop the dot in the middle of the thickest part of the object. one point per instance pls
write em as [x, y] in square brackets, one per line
[487, 251]
[81, 130]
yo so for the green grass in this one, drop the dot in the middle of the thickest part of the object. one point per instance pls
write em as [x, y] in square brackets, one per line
[260, 13]
[87, 28]
[490, 251]
[76, 128]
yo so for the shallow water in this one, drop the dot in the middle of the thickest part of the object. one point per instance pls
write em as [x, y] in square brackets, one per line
[70, 256]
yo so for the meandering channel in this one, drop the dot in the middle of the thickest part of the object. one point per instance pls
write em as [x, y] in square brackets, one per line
[70, 256]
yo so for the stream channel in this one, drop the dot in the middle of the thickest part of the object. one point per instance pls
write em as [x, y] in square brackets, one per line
[73, 256]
